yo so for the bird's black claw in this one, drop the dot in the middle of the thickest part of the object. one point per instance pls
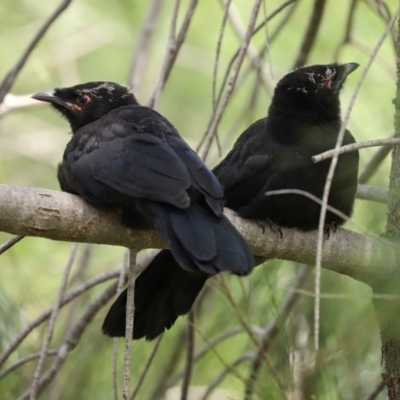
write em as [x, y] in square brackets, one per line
[273, 226]
[330, 227]
[261, 224]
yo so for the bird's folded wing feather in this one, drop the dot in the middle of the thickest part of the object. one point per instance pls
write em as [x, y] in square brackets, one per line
[148, 168]
[202, 178]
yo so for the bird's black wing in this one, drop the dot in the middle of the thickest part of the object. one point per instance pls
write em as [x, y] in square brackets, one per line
[148, 168]
[247, 167]
[160, 162]
[202, 178]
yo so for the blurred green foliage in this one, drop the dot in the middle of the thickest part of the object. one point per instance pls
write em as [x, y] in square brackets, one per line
[95, 40]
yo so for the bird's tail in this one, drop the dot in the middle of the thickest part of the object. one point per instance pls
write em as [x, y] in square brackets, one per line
[202, 245]
[163, 291]
[201, 241]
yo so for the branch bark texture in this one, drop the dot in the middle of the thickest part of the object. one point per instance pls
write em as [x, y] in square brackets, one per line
[61, 216]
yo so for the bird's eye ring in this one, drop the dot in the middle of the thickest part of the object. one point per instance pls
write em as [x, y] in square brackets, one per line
[84, 99]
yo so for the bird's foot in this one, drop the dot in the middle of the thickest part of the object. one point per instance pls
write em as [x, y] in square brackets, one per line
[330, 227]
[273, 226]
[261, 224]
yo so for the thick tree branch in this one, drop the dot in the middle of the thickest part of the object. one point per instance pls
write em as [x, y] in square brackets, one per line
[61, 216]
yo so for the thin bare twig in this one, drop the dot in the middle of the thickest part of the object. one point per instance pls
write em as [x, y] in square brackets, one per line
[311, 33]
[164, 374]
[23, 361]
[355, 146]
[174, 45]
[216, 65]
[216, 117]
[372, 166]
[376, 391]
[382, 9]
[256, 30]
[57, 305]
[347, 33]
[229, 367]
[252, 52]
[311, 197]
[252, 336]
[141, 54]
[187, 376]
[129, 321]
[13, 73]
[344, 296]
[272, 329]
[331, 172]
[205, 349]
[72, 338]
[46, 314]
[147, 367]
[121, 281]
[229, 68]
[218, 53]
[221, 376]
[10, 243]
[358, 44]
[283, 22]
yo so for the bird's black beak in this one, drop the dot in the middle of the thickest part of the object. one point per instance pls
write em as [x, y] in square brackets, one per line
[342, 72]
[49, 97]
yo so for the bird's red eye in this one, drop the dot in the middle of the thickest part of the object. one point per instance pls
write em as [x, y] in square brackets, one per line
[84, 99]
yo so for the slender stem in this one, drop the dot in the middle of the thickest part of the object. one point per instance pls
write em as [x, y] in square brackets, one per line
[141, 54]
[130, 314]
[187, 376]
[374, 163]
[332, 171]
[311, 33]
[121, 282]
[376, 391]
[174, 45]
[232, 81]
[147, 367]
[57, 305]
[72, 339]
[13, 73]
[355, 146]
[10, 243]
[82, 288]
[272, 329]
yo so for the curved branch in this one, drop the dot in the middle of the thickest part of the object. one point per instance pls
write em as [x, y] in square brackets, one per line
[61, 216]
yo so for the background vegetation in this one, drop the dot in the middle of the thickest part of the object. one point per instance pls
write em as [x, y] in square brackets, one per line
[98, 40]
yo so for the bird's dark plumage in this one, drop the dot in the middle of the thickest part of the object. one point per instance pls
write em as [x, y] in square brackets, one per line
[275, 153]
[162, 293]
[130, 156]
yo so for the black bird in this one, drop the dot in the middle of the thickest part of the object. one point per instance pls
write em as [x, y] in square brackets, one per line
[130, 156]
[273, 153]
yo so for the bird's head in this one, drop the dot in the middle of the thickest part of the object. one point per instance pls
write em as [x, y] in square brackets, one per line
[315, 87]
[84, 103]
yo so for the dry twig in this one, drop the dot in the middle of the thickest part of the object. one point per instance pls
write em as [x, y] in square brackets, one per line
[13, 73]
[332, 171]
[355, 146]
[57, 305]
